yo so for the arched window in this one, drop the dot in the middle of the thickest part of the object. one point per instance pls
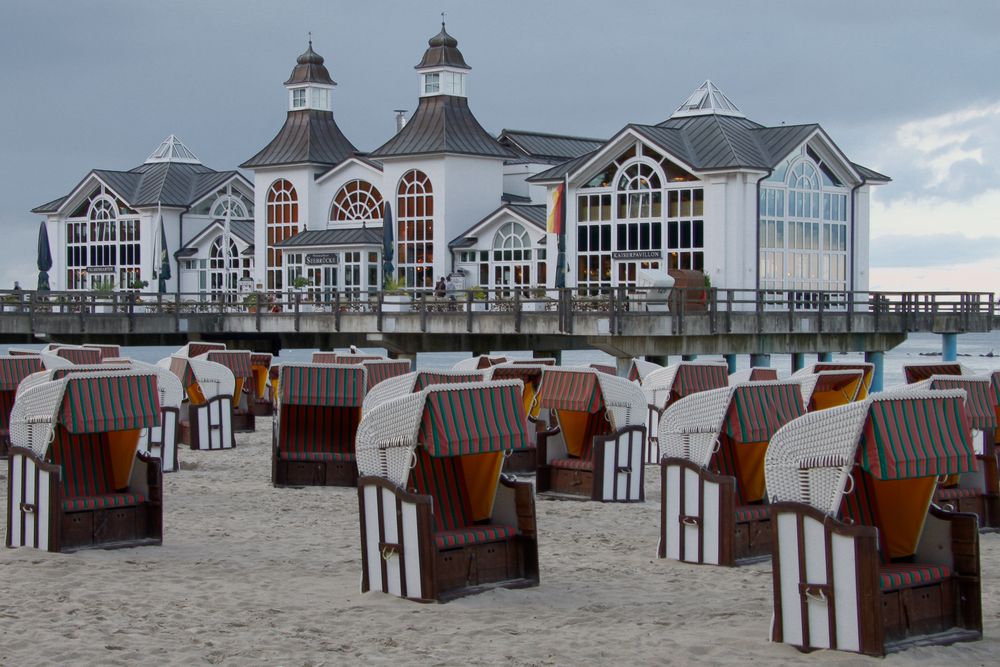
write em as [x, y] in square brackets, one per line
[102, 244]
[233, 205]
[217, 268]
[511, 256]
[639, 192]
[357, 201]
[282, 223]
[415, 226]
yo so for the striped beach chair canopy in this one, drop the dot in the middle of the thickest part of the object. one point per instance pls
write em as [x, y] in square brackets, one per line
[605, 368]
[754, 374]
[590, 390]
[198, 348]
[262, 359]
[683, 379]
[446, 420]
[864, 366]
[640, 368]
[747, 412]
[79, 355]
[480, 362]
[49, 374]
[107, 351]
[213, 379]
[22, 352]
[409, 383]
[96, 402]
[827, 389]
[14, 369]
[237, 361]
[322, 357]
[527, 374]
[323, 385]
[892, 435]
[917, 372]
[534, 361]
[980, 399]
[381, 369]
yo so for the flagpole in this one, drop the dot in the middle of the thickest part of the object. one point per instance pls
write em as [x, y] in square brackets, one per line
[225, 240]
[157, 235]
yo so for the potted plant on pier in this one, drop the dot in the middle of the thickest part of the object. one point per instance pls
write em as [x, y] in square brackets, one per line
[394, 297]
[479, 298]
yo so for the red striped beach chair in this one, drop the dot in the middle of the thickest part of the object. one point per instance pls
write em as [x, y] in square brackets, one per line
[754, 374]
[198, 348]
[79, 355]
[672, 383]
[438, 520]
[107, 351]
[319, 410]
[525, 460]
[918, 372]
[13, 371]
[207, 412]
[713, 507]
[238, 362]
[862, 560]
[77, 478]
[322, 357]
[595, 450]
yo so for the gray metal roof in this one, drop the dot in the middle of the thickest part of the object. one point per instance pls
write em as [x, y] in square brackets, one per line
[514, 199]
[442, 124]
[533, 214]
[871, 174]
[242, 229]
[309, 68]
[463, 242]
[442, 51]
[713, 142]
[50, 207]
[307, 137]
[331, 237]
[548, 147]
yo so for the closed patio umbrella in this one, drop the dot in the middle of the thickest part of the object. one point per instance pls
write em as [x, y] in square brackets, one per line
[164, 259]
[44, 258]
[388, 244]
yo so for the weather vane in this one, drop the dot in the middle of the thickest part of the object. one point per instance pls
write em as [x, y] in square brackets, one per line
[442, 19]
[310, 39]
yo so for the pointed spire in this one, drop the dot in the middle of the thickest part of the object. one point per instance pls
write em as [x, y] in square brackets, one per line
[172, 149]
[309, 68]
[442, 51]
[707, 99]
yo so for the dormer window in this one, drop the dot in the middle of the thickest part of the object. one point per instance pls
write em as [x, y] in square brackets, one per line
[299, 98]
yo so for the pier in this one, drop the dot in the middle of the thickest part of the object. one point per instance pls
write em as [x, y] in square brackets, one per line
[623, 323]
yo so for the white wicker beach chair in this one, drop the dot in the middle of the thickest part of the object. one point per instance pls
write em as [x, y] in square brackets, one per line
[207, 413]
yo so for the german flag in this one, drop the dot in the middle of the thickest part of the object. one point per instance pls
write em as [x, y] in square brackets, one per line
[557, 210]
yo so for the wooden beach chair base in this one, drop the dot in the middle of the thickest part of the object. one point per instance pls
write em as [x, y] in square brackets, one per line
[614, 473]
[244, 422]
[832, 591]
[976, 493]
[402, 555]
[317, 470]
[261, 407]
[522, 462]
[207, 426]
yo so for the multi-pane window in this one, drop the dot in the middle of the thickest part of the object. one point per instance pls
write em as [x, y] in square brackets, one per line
[103, 244]
[299, 98]
[686, 229]
[357, 201]
[231, 205]
[511, 256]
[282, 223]
[223, 278]
[803, 228]
[415, 227]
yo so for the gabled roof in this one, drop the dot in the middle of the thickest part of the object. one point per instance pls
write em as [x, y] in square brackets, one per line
[442, 124]
[242, 229]
[871, 175]
[559, 172]
[309, 136]
[334, 236]
[50, 207]
[546, 147]
[533, 214]
[374, 165]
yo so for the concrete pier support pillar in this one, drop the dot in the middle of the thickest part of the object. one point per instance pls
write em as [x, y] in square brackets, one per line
[731, 362]
[949, 347]
[406, 356]
[824, 357]
[877, 359]
[622, 365]
[798, 361]
[660, 359]
[689, 357]
[760, 360]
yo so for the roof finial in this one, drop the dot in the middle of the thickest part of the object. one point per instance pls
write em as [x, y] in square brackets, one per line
[442, 20]
[310, 39]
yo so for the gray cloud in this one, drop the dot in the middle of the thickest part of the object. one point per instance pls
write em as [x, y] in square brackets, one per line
[892, 251]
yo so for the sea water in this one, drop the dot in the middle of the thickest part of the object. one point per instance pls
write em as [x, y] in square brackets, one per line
[975, 351]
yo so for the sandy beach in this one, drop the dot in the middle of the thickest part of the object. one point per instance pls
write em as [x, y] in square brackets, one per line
[253, 575]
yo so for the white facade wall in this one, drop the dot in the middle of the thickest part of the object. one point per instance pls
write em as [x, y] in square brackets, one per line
[302, 178]
[862, 234]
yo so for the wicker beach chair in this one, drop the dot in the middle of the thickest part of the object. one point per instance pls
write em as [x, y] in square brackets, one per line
[640, 368]
[830, 389]
[107, 351]
[977, 491]
[237, 361]
[713, 504]
[754, 374]
[605, 368]
[319, 410]
[524, 461]
[13, 371]
[77, 354]
[77, 477]
[672, 383]
[595, 450]
[198, 348]
[342, 358]
[437, 518]
[409, 383]
[207, 412]
[259, 388]
[920, 371]
[862, 560]
[867, 368]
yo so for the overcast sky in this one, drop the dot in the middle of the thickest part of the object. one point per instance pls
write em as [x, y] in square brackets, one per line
[909, 88]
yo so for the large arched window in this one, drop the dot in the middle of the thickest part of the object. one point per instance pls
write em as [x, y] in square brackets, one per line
[639, 194]
[102, 244]
[803, 229]
[282, 223]
[357, 201]
[221, 281]
[415, 226]
[233, 205]
[511, 260]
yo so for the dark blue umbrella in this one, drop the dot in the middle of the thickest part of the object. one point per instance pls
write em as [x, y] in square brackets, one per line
[164, 259]
[44, 258]
[388, 244]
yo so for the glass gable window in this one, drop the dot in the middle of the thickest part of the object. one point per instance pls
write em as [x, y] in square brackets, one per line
[357, 201]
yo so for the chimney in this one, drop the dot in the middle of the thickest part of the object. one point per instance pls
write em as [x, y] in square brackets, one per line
[400, 119]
